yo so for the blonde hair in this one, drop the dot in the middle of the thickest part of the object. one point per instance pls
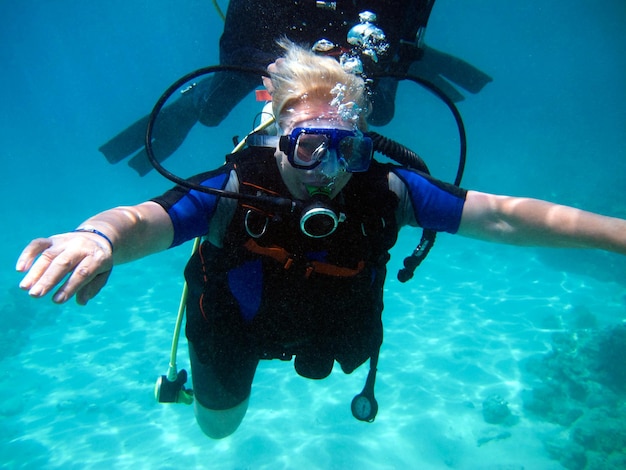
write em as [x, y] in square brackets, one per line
[303, 74]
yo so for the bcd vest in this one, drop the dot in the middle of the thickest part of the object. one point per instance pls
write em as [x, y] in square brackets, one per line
[286, 294]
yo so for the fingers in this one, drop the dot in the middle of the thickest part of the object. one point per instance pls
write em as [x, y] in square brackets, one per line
[42, 274]
[85, 275]
[91, 289]
[30, 253]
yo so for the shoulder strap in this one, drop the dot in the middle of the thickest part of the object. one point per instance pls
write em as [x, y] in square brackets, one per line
[256, 167]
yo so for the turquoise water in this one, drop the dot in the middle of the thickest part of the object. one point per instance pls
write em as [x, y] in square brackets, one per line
[477, 320]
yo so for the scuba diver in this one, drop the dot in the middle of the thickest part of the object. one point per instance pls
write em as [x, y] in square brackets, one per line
[296, 230]
[251, 29]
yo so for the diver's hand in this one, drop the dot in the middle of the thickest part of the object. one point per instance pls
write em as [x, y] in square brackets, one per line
[83, 256]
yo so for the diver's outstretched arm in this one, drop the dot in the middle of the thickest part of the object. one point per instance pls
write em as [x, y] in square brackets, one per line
[532, 222]
[88, 257]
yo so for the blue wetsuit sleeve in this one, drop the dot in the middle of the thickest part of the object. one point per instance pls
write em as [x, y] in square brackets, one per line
[191, 210]
[436, 205]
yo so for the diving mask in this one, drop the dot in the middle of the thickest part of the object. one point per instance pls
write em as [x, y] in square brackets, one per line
[307, 147]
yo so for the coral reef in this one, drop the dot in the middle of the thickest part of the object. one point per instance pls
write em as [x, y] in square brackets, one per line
[496, 411]
[582, 387]
[18, 314]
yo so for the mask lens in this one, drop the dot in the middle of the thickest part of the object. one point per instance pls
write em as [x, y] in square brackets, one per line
[355, 153]
[310, 149]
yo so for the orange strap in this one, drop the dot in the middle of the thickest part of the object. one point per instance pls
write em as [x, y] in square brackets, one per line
[286, 259]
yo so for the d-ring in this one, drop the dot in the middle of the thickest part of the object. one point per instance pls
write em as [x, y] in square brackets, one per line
[252, 234]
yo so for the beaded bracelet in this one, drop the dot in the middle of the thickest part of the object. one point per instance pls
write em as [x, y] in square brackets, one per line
[97, 232]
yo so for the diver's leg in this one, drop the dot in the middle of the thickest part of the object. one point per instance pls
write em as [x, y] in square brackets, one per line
[443, 70]
[456, 70]
[218, 424]
[383, 99]
[217, 95]
[210, 102]
[222, 380]
[172, 125]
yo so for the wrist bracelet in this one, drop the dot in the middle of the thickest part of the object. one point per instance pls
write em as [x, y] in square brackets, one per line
[97, 232]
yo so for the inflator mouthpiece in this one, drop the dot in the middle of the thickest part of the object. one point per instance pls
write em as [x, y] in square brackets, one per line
[168, 391]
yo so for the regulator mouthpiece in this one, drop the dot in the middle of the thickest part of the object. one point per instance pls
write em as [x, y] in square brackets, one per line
[318, 219]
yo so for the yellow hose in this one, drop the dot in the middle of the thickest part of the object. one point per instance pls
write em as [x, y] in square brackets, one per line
[172, 371]
[219, 10]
